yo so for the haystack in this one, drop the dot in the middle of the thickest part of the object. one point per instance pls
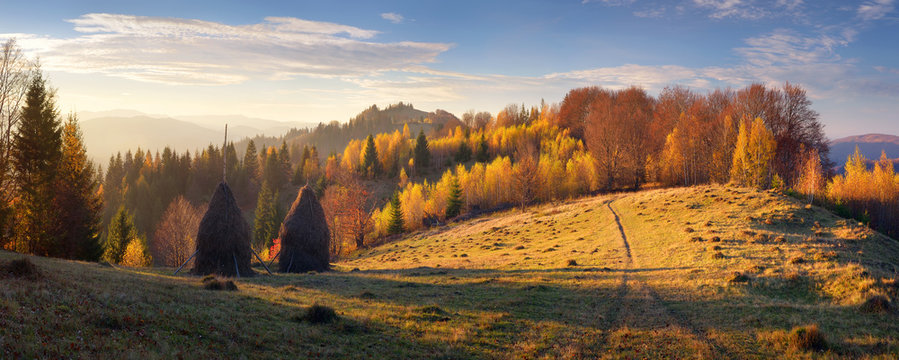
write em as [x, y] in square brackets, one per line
[223, 240]
[304, 235]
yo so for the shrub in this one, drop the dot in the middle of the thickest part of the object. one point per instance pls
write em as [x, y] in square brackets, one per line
[807, 338]
[211, 282]
[716, 239]
[718, 255]
[572, 262]
[714, 248]
[22, 268]
[877, 304]
[738, 277]
[797, 260]
[318, 314]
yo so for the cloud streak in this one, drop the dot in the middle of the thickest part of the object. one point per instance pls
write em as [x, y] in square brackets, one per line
[393, 17]
[195, 52]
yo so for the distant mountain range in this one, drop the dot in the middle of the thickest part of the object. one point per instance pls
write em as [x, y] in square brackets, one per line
[108, 132]
[870, 145]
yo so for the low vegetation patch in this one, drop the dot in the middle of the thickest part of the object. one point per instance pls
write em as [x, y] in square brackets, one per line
[877, 304]
[737, 278]
[318, 314]
[807, 338]
[211, 282]
[22, 268]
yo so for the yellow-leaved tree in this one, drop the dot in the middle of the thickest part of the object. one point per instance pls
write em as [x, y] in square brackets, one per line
[136, 254]
[753, 155]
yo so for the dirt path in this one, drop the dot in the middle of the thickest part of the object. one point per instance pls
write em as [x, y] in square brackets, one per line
[638, 305]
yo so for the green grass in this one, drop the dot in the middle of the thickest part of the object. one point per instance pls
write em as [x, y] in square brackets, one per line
[555, 281]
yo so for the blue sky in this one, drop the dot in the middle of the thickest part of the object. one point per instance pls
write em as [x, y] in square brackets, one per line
[321, 61]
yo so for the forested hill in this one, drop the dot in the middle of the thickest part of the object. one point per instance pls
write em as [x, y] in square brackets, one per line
[869, 145]
[334, 136]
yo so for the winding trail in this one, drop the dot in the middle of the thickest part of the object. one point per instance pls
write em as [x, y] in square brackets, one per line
[640, 306]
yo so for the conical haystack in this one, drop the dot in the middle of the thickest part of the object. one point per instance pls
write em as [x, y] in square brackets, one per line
[223, 240]
[305, 238]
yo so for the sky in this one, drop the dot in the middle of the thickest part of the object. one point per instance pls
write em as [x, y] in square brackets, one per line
[328, 60]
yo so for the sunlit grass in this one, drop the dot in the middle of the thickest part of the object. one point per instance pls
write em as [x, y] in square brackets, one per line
[503, 287]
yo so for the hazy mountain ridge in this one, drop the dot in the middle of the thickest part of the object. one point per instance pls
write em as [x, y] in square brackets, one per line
[870, 145]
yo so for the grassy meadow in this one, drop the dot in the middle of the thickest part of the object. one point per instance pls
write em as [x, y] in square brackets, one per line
[700, 272]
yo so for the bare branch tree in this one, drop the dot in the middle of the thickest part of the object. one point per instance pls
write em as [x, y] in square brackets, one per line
[175, 237]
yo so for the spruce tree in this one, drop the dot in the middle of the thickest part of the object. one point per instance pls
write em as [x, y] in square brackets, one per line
[76, 199]
[454, 201]
[371, 166]
[266, 225]
[422, 153]
[481, 154]
[463, 155]
[396, 224]
[121, 231]
[35, 156]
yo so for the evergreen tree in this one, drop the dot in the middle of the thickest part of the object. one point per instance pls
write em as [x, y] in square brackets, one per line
[396, 224]
[121, 231]
[422, 153]
[267, 223]
[481, 154]
[454, 201]
[35, 156]
[371, 166]
[273, 173]
[77, 200]
[463, 155]
[284, 162]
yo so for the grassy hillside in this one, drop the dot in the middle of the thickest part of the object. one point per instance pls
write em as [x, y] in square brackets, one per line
[704, 272]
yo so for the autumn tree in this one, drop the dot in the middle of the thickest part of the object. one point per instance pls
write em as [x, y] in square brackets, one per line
[348, 202]
[811, 179]
[35, 155]
[754, 155]
[76, 199]
[575, 108]
[616, 134]
[463, 154]
[136, 254]
[121, 231]
[525, 175]
[175, 237]
[15, 71]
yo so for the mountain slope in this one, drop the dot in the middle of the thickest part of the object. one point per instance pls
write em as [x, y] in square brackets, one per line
[870, 145]
[106, 136]
[636, 275]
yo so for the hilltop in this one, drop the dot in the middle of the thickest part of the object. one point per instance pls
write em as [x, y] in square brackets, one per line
[699, 272]
[870, 145]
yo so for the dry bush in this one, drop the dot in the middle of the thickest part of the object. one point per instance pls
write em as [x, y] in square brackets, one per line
[738, 277]
[807, 338]
[718, 255]
[22, 268]
[714, 248]
[211, 282]
[318, 314]
[877, 304]
[797, 260]
[572, 262]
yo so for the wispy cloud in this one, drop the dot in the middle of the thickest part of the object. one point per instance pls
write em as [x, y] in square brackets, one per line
[732, 8]
[187, 51]
[393, 17]
[874, 10]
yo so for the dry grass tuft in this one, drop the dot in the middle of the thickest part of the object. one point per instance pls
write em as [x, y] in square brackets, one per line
[22, 268]
[689, 230]
[877, 304]
[318, 314]
[716, 239]
[797, 260]
[737, 278]
[211, 282]
[718, 255]
[807, 338]
[572, 262]
[714, 248]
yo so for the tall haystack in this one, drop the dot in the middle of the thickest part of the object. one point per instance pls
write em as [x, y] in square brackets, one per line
[223, 240]
[305, 238]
